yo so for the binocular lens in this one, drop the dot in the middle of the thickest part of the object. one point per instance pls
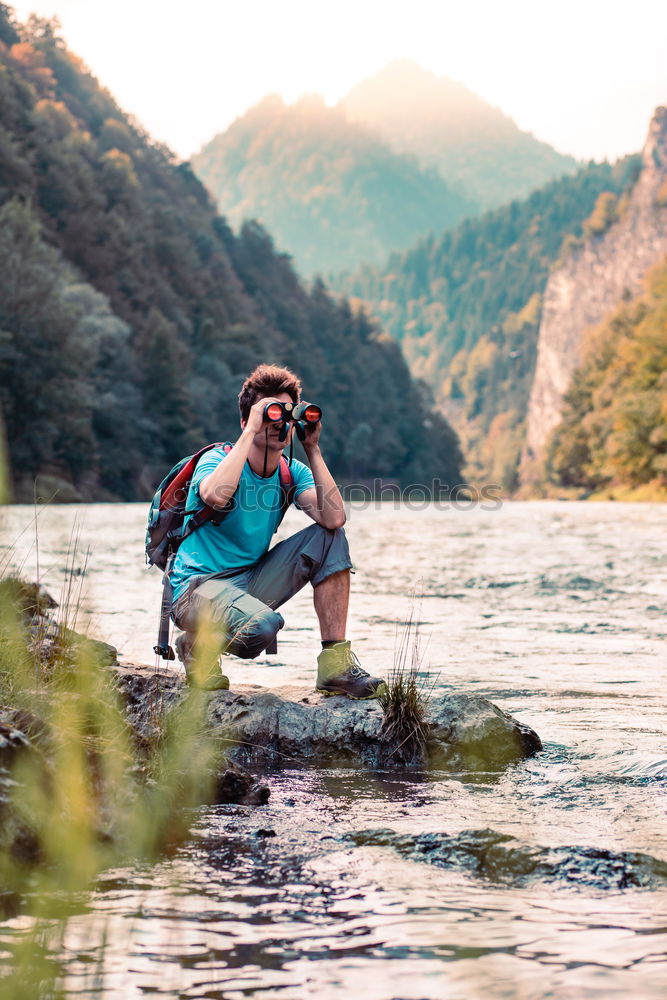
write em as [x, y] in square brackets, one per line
[274, 411]
[311, 414]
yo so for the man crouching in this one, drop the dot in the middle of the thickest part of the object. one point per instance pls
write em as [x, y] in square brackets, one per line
[225, 574]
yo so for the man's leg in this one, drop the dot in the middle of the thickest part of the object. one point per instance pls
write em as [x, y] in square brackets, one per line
[312, 555]
[218, 615]
[331, 599]
[321, 556]
[241, 606]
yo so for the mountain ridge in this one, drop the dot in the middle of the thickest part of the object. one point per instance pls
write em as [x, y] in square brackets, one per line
[466, 308]
[593, 278]
[475, 146]
[331, 191]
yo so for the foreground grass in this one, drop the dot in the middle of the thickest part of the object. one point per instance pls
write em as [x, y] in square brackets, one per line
[87, 794]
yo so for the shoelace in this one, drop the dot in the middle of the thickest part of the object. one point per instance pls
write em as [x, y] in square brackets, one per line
[356, 669]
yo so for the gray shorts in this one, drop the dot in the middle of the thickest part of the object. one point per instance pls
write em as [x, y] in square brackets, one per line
[242, 602]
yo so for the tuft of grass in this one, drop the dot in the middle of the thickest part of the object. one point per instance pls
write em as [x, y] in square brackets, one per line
[90, 793]
[405, 701]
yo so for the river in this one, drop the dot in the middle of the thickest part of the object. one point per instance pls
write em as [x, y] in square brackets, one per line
[555, 611]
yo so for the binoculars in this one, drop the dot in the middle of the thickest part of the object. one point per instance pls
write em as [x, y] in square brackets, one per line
[309, 413]
[296, 413]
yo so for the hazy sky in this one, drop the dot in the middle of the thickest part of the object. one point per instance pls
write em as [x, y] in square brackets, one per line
[584, 75]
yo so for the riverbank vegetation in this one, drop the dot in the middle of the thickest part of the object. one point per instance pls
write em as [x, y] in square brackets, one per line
[130, 311]
[612, 440]
[81, 788]
[466, 307]
[406, 697]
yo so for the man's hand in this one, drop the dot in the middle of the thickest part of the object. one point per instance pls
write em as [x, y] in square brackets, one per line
[218, 487]
[312, 435]
[255, 421]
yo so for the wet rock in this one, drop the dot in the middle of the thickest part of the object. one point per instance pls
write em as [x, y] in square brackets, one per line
[49, 642]
[17, 839]
[29, 599]
[103, 652]
[278, 729]
[503, 858]
[235, 784]
[146, 695]
[471, 733]
[51, 645]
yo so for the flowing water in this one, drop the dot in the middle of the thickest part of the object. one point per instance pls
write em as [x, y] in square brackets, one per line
[557, 612]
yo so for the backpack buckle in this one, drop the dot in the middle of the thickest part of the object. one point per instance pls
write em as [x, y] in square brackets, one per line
[166, 652]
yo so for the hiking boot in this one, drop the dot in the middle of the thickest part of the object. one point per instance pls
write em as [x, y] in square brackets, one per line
[339, 672]
[205, 677]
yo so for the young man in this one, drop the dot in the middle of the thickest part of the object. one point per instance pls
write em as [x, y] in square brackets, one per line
[225, 574]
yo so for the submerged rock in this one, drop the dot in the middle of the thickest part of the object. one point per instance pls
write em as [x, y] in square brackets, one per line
[503, 858]
[288, 727]
[236, 785]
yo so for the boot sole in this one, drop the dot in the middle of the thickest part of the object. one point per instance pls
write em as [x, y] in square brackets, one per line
[344, 694]
[205, 687]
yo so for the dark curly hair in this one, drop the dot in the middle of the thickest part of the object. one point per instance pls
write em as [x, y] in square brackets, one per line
[267, 380]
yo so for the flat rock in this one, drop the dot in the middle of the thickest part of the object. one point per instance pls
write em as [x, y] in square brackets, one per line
[505, 859]
[290, 726]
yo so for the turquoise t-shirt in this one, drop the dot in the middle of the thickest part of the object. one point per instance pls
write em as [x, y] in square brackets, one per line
[245, 534]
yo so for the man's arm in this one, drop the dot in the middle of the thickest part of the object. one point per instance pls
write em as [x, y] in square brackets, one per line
[218, 487]
[322, 502]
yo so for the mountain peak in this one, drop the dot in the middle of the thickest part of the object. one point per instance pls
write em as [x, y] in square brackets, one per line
[401, 83]
[473, 145]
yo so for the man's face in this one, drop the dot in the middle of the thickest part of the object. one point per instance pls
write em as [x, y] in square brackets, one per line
[272, 438]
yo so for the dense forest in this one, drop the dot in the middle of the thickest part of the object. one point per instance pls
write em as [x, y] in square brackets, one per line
[466, 306]
[614, 427]
[477, 149]
[129, 311]
[329, 190]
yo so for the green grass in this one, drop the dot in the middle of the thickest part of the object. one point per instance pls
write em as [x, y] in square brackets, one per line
[406, 700]
[88, 795]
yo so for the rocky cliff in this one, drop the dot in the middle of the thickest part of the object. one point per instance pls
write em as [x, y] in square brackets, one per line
[594, 277]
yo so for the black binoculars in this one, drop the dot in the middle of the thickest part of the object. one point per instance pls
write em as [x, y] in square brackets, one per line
[309, 413]
[296, 413]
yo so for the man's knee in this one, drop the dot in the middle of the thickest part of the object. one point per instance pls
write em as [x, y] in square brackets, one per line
[332, 556]
[250, 634]
[319, 529]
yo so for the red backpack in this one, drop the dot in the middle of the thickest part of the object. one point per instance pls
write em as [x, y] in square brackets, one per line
[167, 527]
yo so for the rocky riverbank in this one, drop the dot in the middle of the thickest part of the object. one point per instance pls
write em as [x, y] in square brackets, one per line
[79, 731]
[289, 727]
[265, 730]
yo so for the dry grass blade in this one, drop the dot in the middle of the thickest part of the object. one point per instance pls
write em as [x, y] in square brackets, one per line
[406, 700]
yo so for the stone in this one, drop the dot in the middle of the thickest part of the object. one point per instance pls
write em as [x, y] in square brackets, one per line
[235, 784]
[290, 727]
[510, 861]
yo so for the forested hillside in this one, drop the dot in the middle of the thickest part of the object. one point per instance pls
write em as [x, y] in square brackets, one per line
[466, 305]
[475, 147]
[330, 191]
[129, 312]
[614, 427]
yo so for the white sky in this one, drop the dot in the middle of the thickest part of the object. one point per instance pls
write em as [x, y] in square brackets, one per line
[584, 75]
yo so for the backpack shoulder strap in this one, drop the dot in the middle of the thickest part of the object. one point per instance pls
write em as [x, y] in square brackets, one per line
[206, 513]
[287, 486]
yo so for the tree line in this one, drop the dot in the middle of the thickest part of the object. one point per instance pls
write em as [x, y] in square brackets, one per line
[614, 426]
[131, 311]
[466, 306]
